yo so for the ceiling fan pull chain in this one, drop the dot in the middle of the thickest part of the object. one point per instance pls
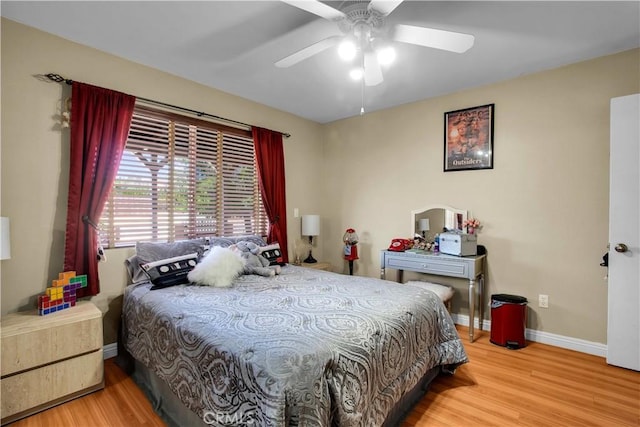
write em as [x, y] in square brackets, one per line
[362, 84]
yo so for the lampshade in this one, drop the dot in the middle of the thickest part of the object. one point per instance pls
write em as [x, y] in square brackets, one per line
[423, 224]
[5, 238]
[310, 225]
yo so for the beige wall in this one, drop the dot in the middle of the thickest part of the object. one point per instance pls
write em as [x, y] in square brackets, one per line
[35, 154]
[543, 206]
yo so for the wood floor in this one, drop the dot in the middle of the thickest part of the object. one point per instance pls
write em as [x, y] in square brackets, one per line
[538, 385]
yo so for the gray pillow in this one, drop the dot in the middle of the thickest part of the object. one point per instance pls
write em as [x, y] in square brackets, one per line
[225, 242]
[153, 251]
[147, 252]
[136, 273]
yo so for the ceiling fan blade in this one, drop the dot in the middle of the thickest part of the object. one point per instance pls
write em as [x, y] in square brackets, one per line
[317, 8]
[372, 70]
[308, 52]
[430, 37]
[384, 7]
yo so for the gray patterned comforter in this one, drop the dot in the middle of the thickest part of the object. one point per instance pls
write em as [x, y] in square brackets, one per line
[307, 348]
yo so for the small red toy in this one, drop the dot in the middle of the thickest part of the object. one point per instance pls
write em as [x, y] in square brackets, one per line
[350, 240]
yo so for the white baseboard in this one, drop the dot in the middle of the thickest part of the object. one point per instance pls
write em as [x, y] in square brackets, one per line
[110, 350]
[576, 344]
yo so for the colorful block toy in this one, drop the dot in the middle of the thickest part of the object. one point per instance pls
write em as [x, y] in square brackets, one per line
[62, 293]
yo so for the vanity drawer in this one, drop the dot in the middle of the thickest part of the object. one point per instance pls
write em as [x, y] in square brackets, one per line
[430, 265]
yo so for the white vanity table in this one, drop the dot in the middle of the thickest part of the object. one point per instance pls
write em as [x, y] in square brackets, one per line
[470, 267]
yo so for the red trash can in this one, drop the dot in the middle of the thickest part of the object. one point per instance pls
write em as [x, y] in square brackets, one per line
[508, 320]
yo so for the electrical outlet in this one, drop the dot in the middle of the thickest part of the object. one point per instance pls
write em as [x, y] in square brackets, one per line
[296, 213]
[543, 301]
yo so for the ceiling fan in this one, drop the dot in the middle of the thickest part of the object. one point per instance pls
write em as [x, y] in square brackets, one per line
[363, 28]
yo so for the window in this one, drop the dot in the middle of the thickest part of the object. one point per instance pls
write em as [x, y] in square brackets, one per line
[183, 178]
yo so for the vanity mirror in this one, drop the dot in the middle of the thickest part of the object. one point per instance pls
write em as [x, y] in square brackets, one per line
[435, 218]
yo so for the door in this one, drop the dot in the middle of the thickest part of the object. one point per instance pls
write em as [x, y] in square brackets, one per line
[623, 328]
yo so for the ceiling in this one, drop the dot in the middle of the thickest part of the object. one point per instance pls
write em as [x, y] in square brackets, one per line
[233, 45]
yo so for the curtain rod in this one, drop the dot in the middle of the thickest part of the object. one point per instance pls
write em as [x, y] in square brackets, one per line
[59, 79]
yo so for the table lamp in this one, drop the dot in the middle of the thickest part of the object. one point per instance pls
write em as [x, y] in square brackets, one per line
[423, 226]
[310, 227]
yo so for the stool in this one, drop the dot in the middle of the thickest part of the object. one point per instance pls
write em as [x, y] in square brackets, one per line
[444, 292]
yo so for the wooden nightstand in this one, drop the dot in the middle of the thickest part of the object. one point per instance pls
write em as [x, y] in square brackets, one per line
[48, 360]
[318, 266]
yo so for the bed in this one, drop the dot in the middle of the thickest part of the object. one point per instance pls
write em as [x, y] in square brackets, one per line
[304, 348]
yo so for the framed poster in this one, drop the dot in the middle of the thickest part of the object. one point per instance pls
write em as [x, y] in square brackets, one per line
[468, 138]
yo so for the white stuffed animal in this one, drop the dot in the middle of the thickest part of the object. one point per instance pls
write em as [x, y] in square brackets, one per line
[218, 268]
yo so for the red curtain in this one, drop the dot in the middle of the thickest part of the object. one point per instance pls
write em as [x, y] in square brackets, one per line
[270, 159]
[100, 121]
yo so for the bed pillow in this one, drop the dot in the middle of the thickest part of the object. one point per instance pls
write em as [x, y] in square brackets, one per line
[135, 272]
[217, 268]
[171, 271]
[153, 251]
[273, 253]
[228, 241]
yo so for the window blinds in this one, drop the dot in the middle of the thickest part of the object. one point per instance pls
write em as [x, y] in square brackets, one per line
[182, 178]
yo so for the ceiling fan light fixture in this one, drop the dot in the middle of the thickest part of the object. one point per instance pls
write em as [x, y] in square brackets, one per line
[356, 74]
[347, 50]
[386, 55]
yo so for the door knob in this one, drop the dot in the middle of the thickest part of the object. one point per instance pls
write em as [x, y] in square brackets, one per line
[621, 247]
